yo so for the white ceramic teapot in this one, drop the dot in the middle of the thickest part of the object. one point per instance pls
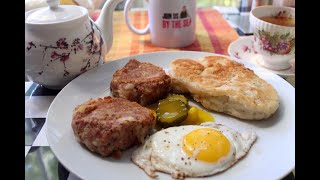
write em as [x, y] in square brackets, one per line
[61, 42]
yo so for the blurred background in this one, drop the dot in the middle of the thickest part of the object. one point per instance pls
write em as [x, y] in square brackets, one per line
[241, 5]
[236, 12]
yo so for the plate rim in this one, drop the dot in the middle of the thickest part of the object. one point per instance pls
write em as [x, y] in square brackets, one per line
[136, 56]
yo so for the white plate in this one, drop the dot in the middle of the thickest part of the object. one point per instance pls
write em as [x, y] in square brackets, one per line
[242, 49]
[272, 156]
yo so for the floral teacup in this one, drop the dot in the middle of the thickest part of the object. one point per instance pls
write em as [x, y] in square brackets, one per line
[276, 43]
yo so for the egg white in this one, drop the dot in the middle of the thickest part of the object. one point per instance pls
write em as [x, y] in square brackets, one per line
[163, 152]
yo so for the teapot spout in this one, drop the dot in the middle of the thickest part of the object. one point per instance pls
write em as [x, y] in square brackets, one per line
[104, 22]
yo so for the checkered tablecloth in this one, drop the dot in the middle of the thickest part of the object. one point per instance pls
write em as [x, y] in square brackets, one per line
[40, 162]
[213, 34]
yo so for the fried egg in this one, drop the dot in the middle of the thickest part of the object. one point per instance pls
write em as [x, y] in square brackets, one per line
[192, 150]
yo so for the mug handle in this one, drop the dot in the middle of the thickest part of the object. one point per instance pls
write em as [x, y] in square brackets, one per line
[127, 7]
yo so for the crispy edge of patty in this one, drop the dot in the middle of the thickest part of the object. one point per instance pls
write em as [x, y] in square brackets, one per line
[144, 90]
[114, 133]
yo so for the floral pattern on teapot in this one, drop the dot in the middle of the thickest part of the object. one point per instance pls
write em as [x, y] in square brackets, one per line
[63, 48]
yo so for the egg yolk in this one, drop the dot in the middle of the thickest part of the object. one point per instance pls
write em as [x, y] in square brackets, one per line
[206, 144]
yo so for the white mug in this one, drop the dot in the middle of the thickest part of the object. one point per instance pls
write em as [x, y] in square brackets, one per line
[171, 22]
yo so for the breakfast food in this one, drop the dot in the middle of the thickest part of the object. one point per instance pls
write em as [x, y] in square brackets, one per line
[171, 112]
[193, 150]
[174, 110]
[108, 125]
[178, 97]
[143, 83]
[223, 85]
[197, 116]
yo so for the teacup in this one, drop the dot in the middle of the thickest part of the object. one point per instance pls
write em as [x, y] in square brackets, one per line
[274, 36]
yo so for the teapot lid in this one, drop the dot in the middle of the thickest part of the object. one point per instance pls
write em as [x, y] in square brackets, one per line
[56, 13]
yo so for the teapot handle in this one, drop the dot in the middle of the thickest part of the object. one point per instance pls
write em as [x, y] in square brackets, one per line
[127, 7]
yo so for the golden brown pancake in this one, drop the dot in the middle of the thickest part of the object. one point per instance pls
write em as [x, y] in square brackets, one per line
[224, 85]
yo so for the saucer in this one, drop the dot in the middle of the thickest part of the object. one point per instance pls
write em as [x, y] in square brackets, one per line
[243, 49]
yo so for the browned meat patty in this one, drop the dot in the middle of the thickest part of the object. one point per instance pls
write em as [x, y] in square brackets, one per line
[143, 83]
[111, 124]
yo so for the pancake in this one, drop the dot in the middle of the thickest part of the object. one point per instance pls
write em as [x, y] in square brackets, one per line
[224, 85]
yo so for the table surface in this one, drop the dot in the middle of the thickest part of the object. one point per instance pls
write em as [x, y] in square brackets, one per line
[213, 33]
